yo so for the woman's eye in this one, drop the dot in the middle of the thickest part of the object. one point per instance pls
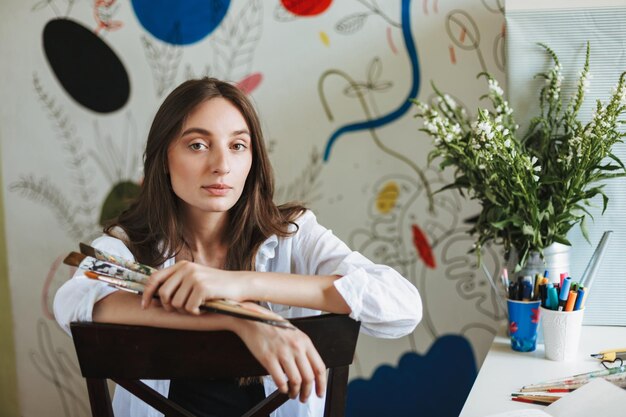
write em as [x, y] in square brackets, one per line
[197, 146]
[239, 146]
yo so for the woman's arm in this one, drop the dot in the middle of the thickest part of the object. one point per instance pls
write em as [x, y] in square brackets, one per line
[185, 285]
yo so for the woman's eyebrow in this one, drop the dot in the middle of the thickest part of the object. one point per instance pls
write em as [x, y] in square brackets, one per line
[205, 132]
[241, 132]
[199, 130]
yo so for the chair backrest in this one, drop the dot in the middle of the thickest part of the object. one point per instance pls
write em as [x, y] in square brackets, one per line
[125, 354]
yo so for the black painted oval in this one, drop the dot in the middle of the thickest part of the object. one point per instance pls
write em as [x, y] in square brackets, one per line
[86, 67]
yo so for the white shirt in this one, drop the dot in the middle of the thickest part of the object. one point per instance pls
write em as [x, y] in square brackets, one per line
[386, 304]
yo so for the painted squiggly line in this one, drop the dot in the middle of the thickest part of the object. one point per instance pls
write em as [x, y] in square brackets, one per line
[370, 124]
[392, 46]
[377, 141]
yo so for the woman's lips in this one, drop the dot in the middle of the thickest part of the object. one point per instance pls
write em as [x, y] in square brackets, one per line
[217, 189]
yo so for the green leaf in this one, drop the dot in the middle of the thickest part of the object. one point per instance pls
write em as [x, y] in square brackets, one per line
[583, 229]
[528, 230]
[562, 240]
[501, 224]
[605, 203]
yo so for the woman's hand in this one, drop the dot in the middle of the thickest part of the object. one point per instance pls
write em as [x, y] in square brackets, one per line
[288, 355]
[185, 285]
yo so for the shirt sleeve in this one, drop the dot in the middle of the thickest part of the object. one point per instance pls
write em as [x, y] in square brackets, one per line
[386, 303]
[75, 299]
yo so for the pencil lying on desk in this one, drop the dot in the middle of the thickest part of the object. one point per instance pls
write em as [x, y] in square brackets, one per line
[536, 399]
[616, 378]
[574, 379]
[540, 397]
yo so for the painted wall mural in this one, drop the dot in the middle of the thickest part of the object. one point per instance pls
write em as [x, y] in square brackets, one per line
[333, 82]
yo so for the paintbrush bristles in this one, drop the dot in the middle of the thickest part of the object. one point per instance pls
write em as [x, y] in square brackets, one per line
[87, 250]
[74, 259]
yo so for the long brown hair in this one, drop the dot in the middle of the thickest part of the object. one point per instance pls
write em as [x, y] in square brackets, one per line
[153, 223]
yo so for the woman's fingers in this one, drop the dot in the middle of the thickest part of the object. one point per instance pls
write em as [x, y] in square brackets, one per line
[152, 286]
[307, 376]
[319, 371]
[294, 379]
[194, 301]
[278, 376]
[181, 296]
[288, 356]
[168, 290]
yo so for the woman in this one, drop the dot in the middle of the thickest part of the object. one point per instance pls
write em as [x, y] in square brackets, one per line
[205, 216]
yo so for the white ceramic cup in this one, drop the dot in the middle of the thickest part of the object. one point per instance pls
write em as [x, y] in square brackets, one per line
[561, 333]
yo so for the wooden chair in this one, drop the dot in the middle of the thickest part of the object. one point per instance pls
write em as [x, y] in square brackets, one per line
[126, 354]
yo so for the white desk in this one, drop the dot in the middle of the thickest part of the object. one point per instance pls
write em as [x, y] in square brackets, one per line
[505, 371]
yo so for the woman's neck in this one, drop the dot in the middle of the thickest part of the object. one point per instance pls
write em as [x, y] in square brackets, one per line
[205, 237]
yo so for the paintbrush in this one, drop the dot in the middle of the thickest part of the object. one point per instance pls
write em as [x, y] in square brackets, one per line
[118, 260]
[111, 269]
[228, 307]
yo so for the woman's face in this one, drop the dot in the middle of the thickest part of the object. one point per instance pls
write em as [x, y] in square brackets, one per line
[210, 161]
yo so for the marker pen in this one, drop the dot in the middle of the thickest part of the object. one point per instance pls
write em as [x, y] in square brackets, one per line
[567, 282]
[553, 301]
[571, 301]
[580, 299]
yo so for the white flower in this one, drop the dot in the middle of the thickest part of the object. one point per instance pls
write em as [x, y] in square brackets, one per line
[494, 87]
[483, 127]
[621, 94]
[449, 101]
[482, 166]
[504, 133]
[507, 143]
[585, 84]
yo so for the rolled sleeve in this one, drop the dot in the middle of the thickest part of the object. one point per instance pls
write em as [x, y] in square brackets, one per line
[75, 299]
[386, 303]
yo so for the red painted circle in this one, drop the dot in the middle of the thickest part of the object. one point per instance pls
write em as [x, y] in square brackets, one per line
[306, 7]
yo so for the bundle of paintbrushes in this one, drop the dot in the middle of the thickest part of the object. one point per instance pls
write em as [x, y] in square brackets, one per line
[549, 391]
[131, 276]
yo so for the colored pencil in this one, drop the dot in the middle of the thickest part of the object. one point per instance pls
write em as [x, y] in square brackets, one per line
[533, 401]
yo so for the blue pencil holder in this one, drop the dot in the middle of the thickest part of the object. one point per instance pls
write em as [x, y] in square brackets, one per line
[523, 323]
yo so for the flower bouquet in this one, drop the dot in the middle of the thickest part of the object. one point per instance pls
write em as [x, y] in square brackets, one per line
[533, 188]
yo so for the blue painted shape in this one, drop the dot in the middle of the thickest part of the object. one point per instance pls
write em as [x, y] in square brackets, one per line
[180, 22]
[435, 384]
[404, 107]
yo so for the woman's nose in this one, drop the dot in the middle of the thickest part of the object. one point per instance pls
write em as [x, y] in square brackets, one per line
[220, 163]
